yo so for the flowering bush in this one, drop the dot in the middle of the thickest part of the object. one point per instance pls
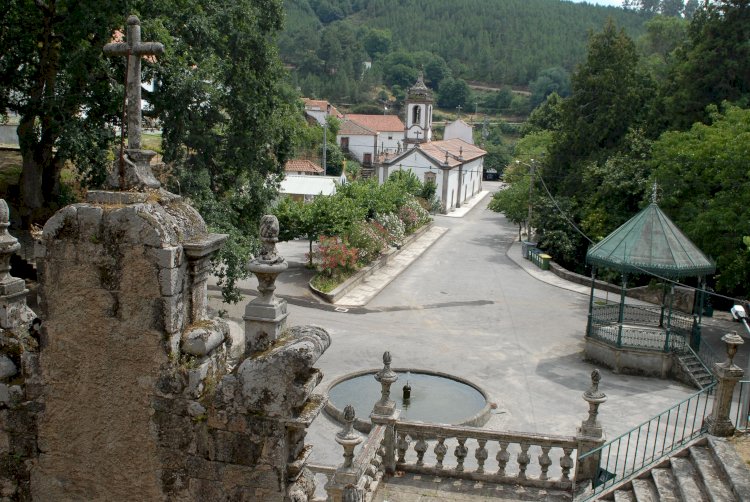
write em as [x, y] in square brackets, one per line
[370, 237]
[394, 226]
[413, 215]
[335, 256]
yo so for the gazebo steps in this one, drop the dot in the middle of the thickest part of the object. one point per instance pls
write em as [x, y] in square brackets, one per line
[695, 370]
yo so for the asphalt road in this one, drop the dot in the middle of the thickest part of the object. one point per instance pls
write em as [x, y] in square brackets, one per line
[466, 309]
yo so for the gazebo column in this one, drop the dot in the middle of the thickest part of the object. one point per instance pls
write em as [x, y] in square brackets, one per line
[669, 318]
[621, 316]
[663, 302]
[590, 324]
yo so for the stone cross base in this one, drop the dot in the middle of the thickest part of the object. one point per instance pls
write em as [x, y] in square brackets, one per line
[135, 172]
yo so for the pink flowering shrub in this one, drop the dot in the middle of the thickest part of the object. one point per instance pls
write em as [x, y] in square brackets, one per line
[370, 237]
[413, 215]
[335, 256]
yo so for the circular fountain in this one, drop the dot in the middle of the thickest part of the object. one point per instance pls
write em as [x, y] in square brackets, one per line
[421, 395]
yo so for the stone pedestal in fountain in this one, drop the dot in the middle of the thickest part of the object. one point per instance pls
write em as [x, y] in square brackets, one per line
[265, 316]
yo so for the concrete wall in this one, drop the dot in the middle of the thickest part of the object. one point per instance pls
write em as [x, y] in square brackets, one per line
[629, 361]
[359, 145]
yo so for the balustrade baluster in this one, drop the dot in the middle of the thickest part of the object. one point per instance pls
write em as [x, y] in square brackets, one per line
[566, 463]
[544, 462]
[481, 455]
[502, 458]
[440, 451]
[460, 452]
[523, 460]
[401, 446]
[420, 447]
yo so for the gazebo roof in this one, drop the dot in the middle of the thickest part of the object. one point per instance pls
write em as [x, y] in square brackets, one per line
[650, 242]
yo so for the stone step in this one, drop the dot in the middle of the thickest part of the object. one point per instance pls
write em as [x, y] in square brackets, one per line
[730, 463]
[666, 486]
[714, 483]
[687, 480]
[644, 490]
[624, 496]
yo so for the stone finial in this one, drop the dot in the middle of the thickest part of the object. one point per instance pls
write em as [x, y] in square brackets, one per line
[386, 377]
[347, 438]
[13, 309]
[733, 341]
[8, 243]
[265, 316]
[594, 397]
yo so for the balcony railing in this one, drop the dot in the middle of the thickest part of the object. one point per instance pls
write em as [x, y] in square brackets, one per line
[526, 459]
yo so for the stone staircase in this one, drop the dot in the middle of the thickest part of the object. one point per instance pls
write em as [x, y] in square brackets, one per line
[694, 369]
[707, 470]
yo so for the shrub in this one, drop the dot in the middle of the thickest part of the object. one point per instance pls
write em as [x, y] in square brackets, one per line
[370, 237]
[413, 216]
[335, 256]
[394, 226]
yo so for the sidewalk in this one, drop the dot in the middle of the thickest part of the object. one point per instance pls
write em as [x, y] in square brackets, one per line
[467, 205]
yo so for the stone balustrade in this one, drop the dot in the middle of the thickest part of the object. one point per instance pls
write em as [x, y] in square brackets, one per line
[361, 474]
[529, 459]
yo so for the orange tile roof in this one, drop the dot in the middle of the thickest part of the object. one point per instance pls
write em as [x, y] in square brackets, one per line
[380, 123]
[353, 128]
[458, 150]
[321, 105]
[302, 166]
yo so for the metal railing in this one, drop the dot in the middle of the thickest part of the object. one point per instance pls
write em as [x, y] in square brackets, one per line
[649, 442]
[528, 459]
[637, 337]
[708, 356]
[741, 406]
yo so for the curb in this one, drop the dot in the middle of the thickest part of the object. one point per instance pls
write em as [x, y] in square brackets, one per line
[355, 280]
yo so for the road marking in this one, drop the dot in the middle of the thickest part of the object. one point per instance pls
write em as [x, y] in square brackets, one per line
[341, 309]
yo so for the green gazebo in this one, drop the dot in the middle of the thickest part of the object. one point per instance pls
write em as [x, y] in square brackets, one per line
[648, 243]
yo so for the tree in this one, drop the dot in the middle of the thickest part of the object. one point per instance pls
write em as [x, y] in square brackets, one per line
[453, 92]
[610, 96]
[712, 66]
[551, 80]
[702, 174]
[513, 201]
[377, 43]
[54, 76]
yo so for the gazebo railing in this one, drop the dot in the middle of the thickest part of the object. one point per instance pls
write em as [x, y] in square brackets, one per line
[638, 314]
[643, 327]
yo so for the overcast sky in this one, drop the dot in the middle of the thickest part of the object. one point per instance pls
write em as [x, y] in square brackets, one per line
[617, 3]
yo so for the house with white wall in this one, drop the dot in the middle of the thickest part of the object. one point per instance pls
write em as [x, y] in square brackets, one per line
[319, 109]
[367, 137]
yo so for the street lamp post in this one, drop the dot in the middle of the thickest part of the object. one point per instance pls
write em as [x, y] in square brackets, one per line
[531, 166]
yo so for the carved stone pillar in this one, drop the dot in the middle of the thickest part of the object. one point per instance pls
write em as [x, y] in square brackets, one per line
[265, 316]
[590, 434]
[728, 374]
[385, 413]
[13, 309]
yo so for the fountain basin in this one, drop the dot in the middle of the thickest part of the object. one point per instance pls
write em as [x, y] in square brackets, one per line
[436, 398]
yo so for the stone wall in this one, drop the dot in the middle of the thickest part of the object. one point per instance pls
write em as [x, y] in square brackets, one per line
[142, 391]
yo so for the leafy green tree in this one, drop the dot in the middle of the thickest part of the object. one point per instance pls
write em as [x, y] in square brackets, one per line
[703, 176]
[712, 66]
[453, 92]
[435, 71]
[545, 117]
[377, 43]
[610, 96]
[551, 80]
[400, 75]
[513, 201]
[51, 70]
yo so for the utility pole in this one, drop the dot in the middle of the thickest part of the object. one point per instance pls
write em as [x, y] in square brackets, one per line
[325, 139]
[531, 192]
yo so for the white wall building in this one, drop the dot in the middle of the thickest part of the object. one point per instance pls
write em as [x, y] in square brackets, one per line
[459, 129]
[367, 137]
[319, 109]
[454, 165]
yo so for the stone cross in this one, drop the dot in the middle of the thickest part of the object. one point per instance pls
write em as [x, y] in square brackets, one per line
[134, 49]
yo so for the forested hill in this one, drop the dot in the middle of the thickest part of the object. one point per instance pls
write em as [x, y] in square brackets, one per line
[497, 41]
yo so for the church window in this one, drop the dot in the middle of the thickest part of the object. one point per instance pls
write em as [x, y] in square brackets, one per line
[430, 177]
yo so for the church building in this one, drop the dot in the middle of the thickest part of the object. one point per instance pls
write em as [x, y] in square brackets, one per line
[454, 164]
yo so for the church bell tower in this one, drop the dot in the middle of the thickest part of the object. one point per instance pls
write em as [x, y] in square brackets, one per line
[418, 113]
